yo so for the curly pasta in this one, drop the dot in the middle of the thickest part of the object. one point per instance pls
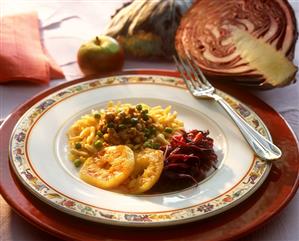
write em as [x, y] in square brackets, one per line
[136, 126]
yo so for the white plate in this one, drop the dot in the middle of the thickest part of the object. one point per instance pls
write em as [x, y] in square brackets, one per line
[38, 152]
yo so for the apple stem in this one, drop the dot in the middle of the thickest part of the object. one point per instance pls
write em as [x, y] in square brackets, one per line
[98, 41]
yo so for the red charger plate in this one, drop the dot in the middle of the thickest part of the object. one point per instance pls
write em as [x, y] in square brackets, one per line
[274, 194]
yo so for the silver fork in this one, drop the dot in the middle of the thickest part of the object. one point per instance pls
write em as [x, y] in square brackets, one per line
[200, 87]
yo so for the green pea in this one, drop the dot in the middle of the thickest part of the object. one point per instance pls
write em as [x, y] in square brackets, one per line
[153, 129]
[144, 112]
[147, 131]
[147, 144]
[110, 125]
[134, 121]
[168, 130]
[155, 145]
[145, 117]
[78, 145]
[121, 126]
[99, 134]
[77, 162]
[139, 107]
[97, 115]
[98, 144]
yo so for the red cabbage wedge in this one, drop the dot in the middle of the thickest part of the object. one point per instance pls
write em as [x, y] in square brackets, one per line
[251, 42]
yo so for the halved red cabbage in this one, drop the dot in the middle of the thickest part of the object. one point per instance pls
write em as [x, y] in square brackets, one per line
[251, 42]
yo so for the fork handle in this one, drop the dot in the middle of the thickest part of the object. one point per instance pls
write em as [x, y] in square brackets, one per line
[264, 148]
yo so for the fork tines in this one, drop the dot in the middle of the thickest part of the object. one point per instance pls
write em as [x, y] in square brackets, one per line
[191, 72]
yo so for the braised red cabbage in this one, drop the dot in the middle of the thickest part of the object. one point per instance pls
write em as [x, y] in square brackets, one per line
[188, 158]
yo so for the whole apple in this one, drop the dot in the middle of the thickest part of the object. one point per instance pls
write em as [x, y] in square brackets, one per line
[100, 55]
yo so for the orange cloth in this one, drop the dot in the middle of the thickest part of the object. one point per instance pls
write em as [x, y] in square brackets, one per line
[22, 56]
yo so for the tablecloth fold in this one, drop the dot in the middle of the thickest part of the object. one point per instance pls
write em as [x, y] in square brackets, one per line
[22, 55]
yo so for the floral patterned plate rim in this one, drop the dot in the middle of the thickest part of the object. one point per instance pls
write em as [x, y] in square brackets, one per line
[26, 171]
